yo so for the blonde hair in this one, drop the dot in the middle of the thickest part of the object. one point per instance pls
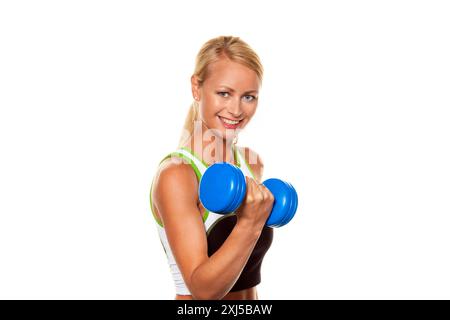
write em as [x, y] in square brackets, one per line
[230, 47]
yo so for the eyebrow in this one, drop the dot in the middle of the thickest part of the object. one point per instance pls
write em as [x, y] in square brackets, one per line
[232, 90]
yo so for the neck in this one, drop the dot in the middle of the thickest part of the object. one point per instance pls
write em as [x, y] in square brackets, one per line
[210, 146]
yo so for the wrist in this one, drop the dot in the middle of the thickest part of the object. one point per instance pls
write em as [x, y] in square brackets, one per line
[249, 227]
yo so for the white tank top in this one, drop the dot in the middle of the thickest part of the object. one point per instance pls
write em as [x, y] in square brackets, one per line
[209, 218]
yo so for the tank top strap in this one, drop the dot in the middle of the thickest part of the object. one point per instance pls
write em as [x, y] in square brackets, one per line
[196, 162]
[243, 165]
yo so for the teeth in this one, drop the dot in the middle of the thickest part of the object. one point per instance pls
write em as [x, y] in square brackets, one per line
[229, 121]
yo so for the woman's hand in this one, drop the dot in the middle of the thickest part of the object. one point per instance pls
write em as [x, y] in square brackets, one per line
[256, 207]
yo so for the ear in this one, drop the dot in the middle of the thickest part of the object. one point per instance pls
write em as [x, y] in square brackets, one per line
[195, 85]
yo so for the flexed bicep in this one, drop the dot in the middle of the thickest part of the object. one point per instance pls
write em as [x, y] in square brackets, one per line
[175, 197]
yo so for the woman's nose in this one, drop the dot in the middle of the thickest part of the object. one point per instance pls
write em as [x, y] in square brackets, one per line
[235, 109]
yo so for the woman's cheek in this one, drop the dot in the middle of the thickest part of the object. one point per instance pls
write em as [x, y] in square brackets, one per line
[211, 105]
[250, 111]
[217, 104]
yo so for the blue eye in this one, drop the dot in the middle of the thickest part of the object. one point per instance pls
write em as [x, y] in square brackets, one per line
[249, 98]
[223, 94]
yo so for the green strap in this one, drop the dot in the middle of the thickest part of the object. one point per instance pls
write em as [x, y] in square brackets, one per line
[195, 156]
[197, 173]
[236, 158]
[249, 168]
[245, 162]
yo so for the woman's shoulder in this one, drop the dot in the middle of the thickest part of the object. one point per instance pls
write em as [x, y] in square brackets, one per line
[174, 177]
[254, 160]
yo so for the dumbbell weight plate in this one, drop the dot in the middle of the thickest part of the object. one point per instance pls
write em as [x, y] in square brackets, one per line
[220, 187]
[285, 203]
[293, 202]
[241, 188]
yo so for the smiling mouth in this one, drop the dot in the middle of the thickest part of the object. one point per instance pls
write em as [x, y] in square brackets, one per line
[230, 124]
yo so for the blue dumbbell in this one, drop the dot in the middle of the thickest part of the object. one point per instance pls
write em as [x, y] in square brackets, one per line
[222, 190]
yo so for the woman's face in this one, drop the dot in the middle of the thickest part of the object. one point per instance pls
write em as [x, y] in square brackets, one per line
[228, 97]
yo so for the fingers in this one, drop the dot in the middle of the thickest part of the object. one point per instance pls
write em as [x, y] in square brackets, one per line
[267, 194]
[262, 192]
[257, 191]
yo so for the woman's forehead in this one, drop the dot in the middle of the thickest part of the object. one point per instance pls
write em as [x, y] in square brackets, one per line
[232, 74]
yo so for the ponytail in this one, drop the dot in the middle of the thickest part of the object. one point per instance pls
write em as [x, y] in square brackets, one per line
[188, 128]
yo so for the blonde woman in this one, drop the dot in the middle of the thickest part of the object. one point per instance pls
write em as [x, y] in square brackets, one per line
[214, 256]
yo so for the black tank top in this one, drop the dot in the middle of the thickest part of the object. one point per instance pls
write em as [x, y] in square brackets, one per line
[251, 274]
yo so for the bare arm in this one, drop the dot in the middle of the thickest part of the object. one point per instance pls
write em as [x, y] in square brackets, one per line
[175, 196]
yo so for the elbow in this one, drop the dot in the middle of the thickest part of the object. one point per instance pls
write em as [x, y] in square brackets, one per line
[200, 296]
[201, 290]
[204, 292]
[204, 288]
[205, 295]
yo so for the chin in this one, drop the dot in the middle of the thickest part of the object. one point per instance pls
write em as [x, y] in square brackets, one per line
[224, 134]
[221, 132]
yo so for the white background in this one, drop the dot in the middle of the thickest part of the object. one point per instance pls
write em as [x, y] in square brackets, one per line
[354, 111]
